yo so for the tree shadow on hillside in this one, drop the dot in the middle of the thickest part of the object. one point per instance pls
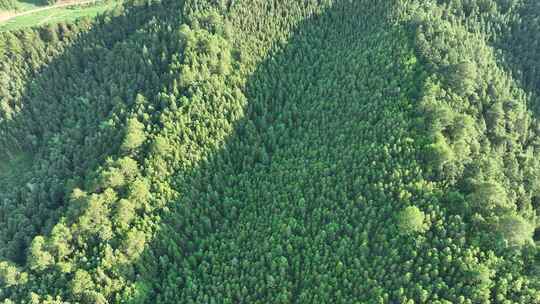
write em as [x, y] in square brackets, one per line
[519, 49]
[239, 232]
[66, 108]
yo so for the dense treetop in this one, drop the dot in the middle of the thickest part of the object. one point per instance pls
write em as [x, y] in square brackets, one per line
[273, 152]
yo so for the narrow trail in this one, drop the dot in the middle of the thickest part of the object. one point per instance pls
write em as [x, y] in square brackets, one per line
[4, 17]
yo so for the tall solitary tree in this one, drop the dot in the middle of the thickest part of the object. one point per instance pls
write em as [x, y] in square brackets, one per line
[134, 135]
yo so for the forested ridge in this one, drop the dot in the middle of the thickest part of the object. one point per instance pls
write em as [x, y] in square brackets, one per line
[321, 151]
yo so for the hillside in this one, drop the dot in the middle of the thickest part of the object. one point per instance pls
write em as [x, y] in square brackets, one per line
[273, 152]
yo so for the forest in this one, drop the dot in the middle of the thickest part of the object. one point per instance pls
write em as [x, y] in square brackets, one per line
[273, 151]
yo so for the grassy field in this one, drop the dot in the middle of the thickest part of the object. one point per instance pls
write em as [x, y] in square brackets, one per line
[56, 15]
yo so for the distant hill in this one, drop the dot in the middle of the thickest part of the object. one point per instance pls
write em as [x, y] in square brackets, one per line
[273, 152]
[36, 14]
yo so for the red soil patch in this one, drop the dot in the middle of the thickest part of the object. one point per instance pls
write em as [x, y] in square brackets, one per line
[6, 15]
